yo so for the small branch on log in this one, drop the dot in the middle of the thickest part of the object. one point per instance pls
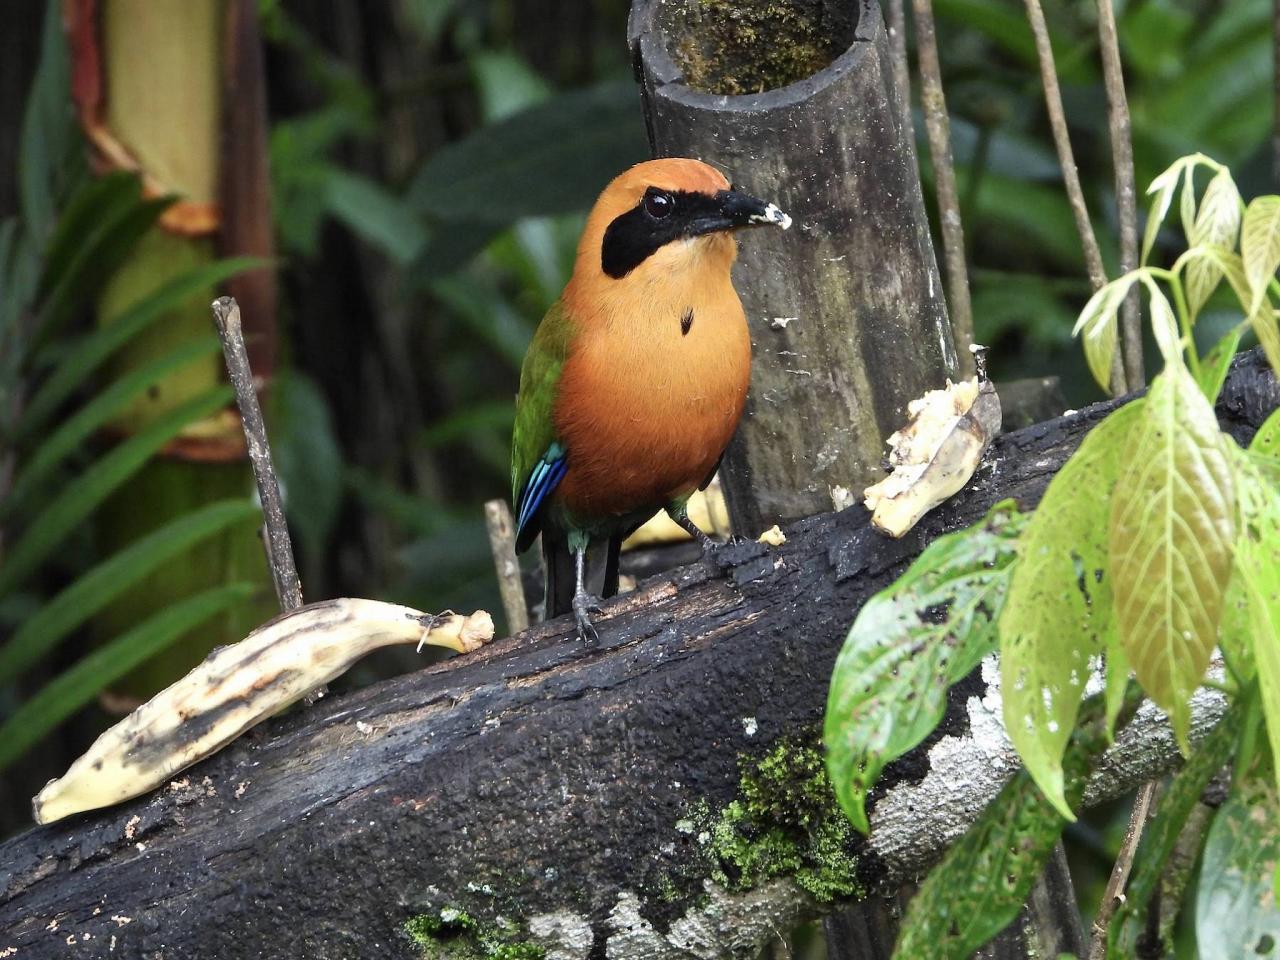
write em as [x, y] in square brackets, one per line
[284, 574]
[571, 790]
[1067, 160]
[938, 128]
[1126, 191]
[502, 542]
[1120, 872]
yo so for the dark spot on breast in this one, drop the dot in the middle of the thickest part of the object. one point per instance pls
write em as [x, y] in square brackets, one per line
[686, 321]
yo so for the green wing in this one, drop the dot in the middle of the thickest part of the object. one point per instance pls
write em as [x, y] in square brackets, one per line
[538, 460]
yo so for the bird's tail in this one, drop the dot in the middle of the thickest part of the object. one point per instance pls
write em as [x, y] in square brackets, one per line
[601, 575]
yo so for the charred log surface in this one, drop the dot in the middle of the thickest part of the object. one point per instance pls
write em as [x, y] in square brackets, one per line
[537, 779]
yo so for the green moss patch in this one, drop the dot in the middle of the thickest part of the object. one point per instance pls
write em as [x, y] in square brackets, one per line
[785, 823]
[453, 934]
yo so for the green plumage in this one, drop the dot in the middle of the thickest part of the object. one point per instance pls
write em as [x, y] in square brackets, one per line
[535, 429]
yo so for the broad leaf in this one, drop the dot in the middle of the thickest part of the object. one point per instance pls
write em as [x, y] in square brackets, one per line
[1215, 364]
[908, 645]
[1257, 573]
[81, 497]
[1058, 612]
[1161, 834]
[70, 691]
[1217, 224]
[552, 158]
[1260, 246]
[1266, 441]
[1163, 187]
[1097, 327]
[1236, 913]
[308, 459]
[1171, 532]
[77, 429]
[983, 881]
[54, 620]
[76, 367]
[378, 216]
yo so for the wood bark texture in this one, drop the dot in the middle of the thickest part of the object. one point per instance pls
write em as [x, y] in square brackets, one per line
[551, 783]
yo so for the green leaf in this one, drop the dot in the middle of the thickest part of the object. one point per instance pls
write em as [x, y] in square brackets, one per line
[1267, 440]
[1260, 246]
[70, 691]
[54, 620]
[1097, 327]
[74, 369]
[78, 428]
[309, 460]
[1236, 913]
[1058, 613]
[1216, 363]
[1161, 834]
[1216, 224]
[1171, 533]
[83, 495]
[908, 645]
[553, 158]
[1163, 187]
[983, 881]
[1257, 569]
[49, 139]
[375, 214]
[1164, 325]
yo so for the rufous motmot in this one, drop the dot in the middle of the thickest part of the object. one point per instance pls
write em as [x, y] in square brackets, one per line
[636, 377]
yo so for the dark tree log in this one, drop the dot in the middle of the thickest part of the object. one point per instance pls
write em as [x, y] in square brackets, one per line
[846, 310]
[551, 783]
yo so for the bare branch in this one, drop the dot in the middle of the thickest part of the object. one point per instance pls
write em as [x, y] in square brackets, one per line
[502, 541]
[938, 127]
[284, 574]
[1124, 863]
[1070, 175]
[1126, 192]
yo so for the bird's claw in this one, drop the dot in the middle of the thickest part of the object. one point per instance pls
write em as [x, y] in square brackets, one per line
[583, 606]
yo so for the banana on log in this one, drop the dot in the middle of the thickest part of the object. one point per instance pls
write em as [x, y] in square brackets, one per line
[238, 686]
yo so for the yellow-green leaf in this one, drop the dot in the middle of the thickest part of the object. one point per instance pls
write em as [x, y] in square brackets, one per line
[1217, 225]
[1260, 246]
[1163, 187]
[1097, 327]
[1058, 612]
[1267, 440]
[1170, 542]
[1164, 325]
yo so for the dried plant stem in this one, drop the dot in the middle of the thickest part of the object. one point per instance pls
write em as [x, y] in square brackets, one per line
[1126, 191]
[898, 51]
[938, 129]
[1120, 872]
[284, 574]
[502, 541]
[1070, 176]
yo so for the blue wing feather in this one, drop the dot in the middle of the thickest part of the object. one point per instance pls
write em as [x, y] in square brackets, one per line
[547, 473]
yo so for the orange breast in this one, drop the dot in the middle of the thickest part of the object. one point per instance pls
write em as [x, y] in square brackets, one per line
[644, 408]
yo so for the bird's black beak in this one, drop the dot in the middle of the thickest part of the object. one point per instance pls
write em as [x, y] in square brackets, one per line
[732, 210]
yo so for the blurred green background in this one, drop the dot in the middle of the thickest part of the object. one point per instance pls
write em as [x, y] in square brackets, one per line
[431, 162]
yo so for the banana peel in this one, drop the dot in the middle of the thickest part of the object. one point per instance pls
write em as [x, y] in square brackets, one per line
[238, 686]
[936, 453]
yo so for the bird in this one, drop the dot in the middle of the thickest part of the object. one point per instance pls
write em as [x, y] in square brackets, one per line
[636, 377]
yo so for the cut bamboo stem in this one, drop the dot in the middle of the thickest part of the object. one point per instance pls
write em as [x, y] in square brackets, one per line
[1126, 191]
[1066, 159]
[938, 129]
[502, 541]
[284, 573]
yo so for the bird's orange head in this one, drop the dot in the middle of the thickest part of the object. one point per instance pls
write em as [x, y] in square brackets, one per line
[665, 216]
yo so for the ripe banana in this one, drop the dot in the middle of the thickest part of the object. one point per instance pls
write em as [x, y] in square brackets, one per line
[238, 686]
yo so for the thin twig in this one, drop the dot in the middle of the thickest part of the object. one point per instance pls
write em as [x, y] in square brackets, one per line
[226, 315]
[502, 541]
[898, 53]
[1275, 79]
[1126, 191]
[938, 129]
[1066, 159]
[1120, 872]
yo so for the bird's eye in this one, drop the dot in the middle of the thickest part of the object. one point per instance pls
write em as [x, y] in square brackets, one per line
[658, 204]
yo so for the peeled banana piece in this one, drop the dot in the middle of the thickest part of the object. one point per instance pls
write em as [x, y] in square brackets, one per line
[238, 686]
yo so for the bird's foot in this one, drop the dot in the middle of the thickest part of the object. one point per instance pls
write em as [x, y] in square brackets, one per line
[584, 604]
